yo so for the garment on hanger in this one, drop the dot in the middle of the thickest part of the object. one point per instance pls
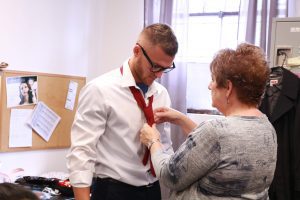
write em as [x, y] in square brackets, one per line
[281, 104]
[274, 87]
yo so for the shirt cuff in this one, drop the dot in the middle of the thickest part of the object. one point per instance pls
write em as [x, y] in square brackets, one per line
[81, 179]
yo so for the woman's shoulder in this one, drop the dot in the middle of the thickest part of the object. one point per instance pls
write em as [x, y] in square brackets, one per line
[212, 123]
[209, 127]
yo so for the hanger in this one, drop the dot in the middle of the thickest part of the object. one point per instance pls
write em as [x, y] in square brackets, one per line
[276, 75]
[278, 71]
[285, 57]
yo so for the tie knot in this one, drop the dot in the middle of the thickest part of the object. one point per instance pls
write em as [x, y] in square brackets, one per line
[147, 110]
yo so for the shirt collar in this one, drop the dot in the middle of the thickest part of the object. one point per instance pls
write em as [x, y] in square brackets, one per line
[128, 80]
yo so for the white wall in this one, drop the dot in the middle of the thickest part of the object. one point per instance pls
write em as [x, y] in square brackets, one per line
[73, 37]
[115, 27]
[45, 36]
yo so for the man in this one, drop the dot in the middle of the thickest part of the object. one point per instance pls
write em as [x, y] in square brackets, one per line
[105, 132]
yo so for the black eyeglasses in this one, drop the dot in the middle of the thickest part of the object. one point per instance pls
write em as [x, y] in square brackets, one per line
[155, 67]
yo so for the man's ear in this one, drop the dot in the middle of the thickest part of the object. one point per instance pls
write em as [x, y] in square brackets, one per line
[136, 50]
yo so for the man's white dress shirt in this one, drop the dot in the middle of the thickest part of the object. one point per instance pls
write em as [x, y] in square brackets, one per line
[105, 132]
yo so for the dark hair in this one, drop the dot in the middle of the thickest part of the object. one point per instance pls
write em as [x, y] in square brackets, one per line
[11, 191]
[162, 35]
[247, 69]
[30, 95]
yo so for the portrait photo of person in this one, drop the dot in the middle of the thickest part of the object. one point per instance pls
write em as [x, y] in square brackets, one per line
[26, 94]
[21, 90]
[27, 90]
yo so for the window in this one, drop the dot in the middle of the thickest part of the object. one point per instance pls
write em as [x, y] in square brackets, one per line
[211, 25]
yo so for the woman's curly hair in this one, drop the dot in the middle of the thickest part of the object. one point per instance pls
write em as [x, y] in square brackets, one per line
[247, 69]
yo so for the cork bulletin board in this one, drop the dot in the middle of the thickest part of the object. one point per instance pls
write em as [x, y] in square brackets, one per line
[53, 91]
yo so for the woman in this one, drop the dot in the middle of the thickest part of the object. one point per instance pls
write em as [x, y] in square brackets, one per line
[229, 158]
[26, 94]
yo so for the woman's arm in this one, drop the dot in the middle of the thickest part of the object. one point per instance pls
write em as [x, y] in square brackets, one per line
[195, 157]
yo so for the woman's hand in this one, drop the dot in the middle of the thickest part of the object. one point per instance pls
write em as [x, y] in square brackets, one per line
[149, 134]
[173, 116]
[165, 114]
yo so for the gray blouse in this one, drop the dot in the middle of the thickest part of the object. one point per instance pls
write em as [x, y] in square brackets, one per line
[229, 158]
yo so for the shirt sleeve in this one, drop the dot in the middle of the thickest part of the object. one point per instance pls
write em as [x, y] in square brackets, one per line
[198, 155]
[165, 128]
[88, 126]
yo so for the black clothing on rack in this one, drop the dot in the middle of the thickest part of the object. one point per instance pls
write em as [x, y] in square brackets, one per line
[281, 104]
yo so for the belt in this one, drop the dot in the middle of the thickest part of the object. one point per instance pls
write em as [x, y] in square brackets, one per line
[114, 181]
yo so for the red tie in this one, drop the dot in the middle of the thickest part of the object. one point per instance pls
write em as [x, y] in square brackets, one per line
[148, 112]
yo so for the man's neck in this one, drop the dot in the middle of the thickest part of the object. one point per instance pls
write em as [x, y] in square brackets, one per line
[143, 87]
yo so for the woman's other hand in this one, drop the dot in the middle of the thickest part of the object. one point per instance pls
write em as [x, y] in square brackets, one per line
[149, 134]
